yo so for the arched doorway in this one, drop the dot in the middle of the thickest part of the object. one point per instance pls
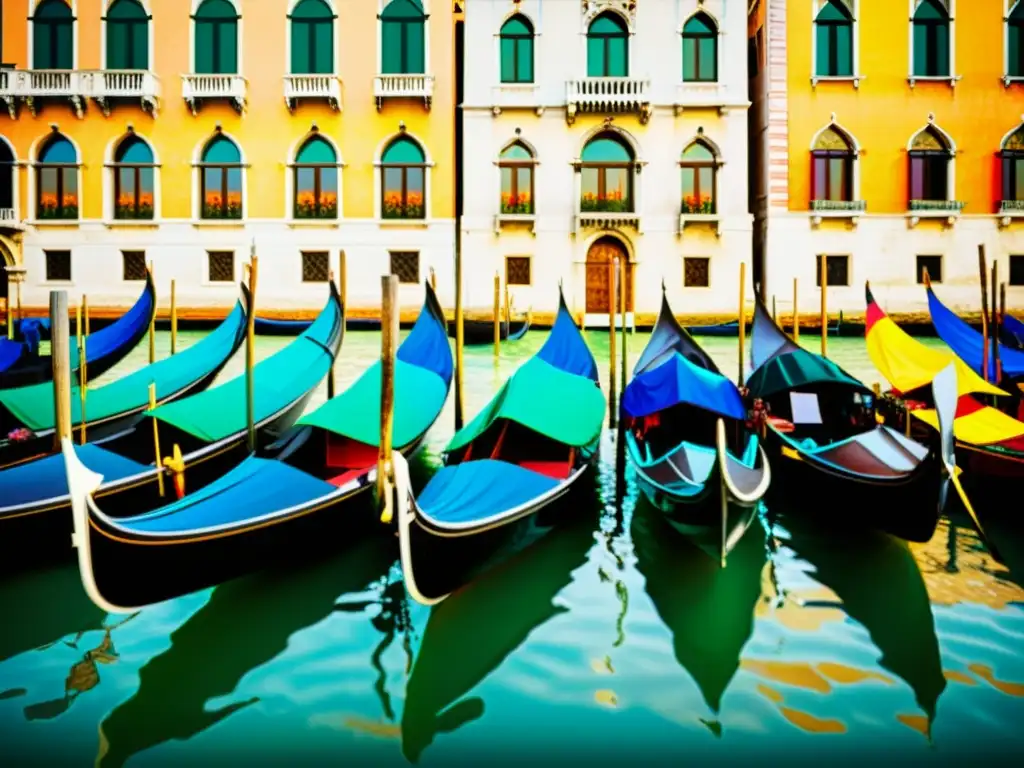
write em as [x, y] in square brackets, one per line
[603, 252]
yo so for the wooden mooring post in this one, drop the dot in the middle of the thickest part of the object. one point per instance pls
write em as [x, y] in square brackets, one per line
[388, 344]
[742, 327]
[613, 274]
[174, 317]
[60, 357]
[497, 315]
[250, 353]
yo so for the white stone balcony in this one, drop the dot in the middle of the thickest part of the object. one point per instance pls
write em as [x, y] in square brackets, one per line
[107, 84]
[403, 87]
[8, 220]
[712, 220]
[1010, 210]
[313, 87]
[706, 96]
[516, 96]
[837, 209]
[606, 220]
[949, 210]
[28, 85]
[196, 89]
[608, 95]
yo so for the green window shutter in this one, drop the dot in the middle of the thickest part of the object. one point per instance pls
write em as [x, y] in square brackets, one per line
[1016, 68]
[595, 57]
[708, 59]
[42, 50]
[391, 47]
[618, 64]
[525, 73]
[942, 50]
[689, 59]
[508, 73]
[844, 50]
[301, 55]
[920, 50]
[140, 46]
[415, 61]
[323, 47]
[227, 48]
[204, 63]
[824, 50]
[117, 46]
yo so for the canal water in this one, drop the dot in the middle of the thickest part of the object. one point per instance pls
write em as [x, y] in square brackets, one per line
[610, 640]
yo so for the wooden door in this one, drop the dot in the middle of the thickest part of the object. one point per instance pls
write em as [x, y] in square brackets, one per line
[602, 253]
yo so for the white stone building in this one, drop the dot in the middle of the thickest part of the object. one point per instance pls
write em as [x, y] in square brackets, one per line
[597, 128]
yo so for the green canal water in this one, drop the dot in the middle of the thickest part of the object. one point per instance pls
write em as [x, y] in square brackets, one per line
[608, 641]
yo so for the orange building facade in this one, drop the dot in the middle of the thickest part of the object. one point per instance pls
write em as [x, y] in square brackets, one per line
[183, 132]
[891, 143]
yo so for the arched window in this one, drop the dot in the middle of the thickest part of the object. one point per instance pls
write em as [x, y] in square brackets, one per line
[931, 39]
[516, 164]
[127, 35]
[517, 50]
[7, 167]
[316, 180]
[1013, 166]
[312, 31]
[220, 187]
[832, 167]
[403, 180]
[700, 50]
[833, 30]
[216, 38]
[929, 166]
[607, 175]
[1015, 41]
[608, 47]
[700, 166]
[134, 183]
[53, 36]
[402, 29]
[57, 180]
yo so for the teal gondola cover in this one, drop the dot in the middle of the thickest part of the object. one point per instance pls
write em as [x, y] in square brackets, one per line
[968, 344]
[475, 490]
[45, 478]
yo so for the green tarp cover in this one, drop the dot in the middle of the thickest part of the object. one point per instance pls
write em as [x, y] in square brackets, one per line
[559, 405]
[278, 381]
[355, 413]
[798, 369]
[33, 405]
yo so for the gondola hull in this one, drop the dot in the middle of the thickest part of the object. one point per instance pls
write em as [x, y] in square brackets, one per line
[438, 561]
[904, 505]
[480, 332]
[41, 532]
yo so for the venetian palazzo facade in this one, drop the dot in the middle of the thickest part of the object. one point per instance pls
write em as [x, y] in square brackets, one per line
[603, 129]
[178, 132]
[890, 141]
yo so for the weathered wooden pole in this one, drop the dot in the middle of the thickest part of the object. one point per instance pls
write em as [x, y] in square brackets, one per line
[83, 384]
[508, 310]
[742, 328]
[613, 274]
[156, 441]
[10, 314]
[497, 315]
[622, 310]
[775, 315]
[152, 325]
[61, 361]
[78, 327]
[174, 318]
[85, 314]
[433, 280]
[824, 306]
[997, 322]
[460, 336]
[250, 352]
[1002, 308]
[983, 270]
[388, 343]
[330, 370]
[18, 291]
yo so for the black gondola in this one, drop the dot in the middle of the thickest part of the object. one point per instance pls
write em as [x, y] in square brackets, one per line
[480, 332]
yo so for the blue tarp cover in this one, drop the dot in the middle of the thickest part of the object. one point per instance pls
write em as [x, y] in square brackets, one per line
[1014, 327]
[475, 490]
[967, 343]
[254, 488]
[10, 353]
[565, 347]
[677, 380]
[45, 478]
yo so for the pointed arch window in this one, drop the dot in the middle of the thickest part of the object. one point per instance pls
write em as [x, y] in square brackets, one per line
[402, 36]
[832, 167]
[316, 180]
[700, 49]
[608, 47]
[216, 38]
[134, 180]
[1015, 41]
[833, 30]
[1013, 167]
[7, 166]
[929, 166]
[699, 170]
[517, 50]
[312, 38]
[57, 180]
[606, 168]
[931, 39]
[127, 35]
[220, 174]
[516, 165]
[403, 180]
[53, 36]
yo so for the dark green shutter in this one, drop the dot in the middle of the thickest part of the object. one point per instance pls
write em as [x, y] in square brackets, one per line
[227, 54]
[920, 50]
[689, 59]
[708, 59]
[391, 47]
[415, 55]
[508, 73]
[42, 50]
[139, 46]
[117, 46]
[525, 72]
[1016, 68]
[844, 50]
[618, 61]
[323, 47]
[204, 64]
[595, 57]
[824, 49]
[301, 54]
[942, 50]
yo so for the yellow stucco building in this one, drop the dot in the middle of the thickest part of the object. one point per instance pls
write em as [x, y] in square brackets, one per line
[179, 132]
[889, 138]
